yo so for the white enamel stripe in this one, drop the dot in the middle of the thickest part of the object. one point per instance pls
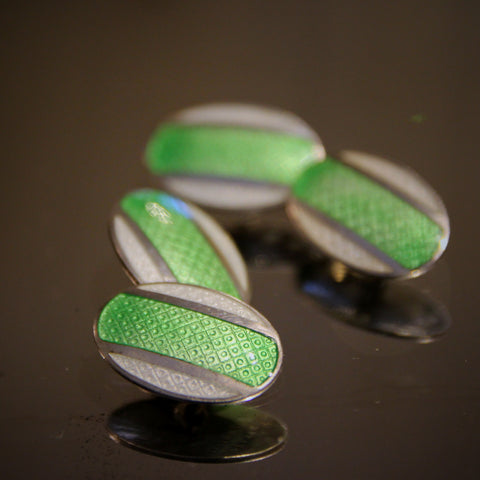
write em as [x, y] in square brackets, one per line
[141, 259]
[143, 367]
[340, 243]
[248, 116]
[210, 302]
[166, 380]
[229, 194]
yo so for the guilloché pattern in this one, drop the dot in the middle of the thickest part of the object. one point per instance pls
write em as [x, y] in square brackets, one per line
[388, 222]
[168, 380]
[166, 221]
[228, 152]
[220, 346]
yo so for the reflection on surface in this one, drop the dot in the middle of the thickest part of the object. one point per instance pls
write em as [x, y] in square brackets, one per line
[387, 307]
[196, 432]
[390, 308]
[265, 246]
[264, 237]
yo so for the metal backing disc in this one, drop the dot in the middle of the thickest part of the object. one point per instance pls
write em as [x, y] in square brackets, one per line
[392, 309]
[218, 434]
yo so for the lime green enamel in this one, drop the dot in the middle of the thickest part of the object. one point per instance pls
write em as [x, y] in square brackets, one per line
[386, 221]
[165, 222]
[229, 152]
[196, 338]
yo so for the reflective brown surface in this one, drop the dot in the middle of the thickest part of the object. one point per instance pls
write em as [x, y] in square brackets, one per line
[82, 88]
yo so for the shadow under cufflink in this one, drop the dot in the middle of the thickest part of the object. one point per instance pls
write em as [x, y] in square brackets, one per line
[264, 247]
[388, 308]
[267, 239]
[197, 432]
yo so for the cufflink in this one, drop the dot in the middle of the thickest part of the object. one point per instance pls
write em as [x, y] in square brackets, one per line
[232, 156]
[189, 343]
[160, 238]
[370, 215]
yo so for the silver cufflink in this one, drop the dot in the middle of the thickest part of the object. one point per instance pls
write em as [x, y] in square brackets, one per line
[161, 238]
[189, 343]
[232, 156]
[371, 215]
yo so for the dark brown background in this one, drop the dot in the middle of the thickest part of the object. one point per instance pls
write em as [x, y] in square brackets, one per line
[82, 87]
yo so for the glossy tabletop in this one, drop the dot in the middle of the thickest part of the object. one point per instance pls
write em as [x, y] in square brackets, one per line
[83, 87]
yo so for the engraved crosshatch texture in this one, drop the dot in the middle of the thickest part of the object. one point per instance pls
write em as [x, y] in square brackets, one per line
[386, 221]
[334, 242]
[166, 222]
[220, 346]
[168, 380]
[230, 152]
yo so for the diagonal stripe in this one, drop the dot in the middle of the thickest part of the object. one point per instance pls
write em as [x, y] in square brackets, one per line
[341, 243]
[219, 346]
[401, 181]
[137, 253]
[230, 152]
[166, 222]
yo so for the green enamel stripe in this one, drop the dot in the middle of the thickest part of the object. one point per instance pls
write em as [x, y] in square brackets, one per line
[194, 337]
[166, 222]
[229, 152]
[386, 221]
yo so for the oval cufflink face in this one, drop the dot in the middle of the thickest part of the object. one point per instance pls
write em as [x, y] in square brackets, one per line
[232, 156]
[160, 238]
[374, 216]
[189, 343]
